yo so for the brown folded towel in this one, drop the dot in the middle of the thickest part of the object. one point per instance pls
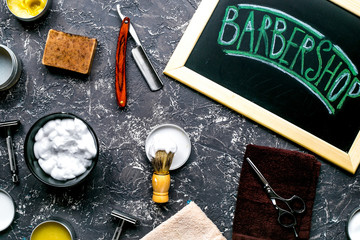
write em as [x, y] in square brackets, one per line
[289, 173]
[190, 223]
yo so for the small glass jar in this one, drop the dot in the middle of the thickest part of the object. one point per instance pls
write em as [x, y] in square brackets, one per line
[10, 68]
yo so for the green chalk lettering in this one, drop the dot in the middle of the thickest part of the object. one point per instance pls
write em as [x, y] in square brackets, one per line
[289, 44]
[326, 70]
[333, 93]
[277, 34]
[292, 47]
[319, 56]
[265, 25]
[353, 92]
[304, 48]
[228, 21]
[248, 28]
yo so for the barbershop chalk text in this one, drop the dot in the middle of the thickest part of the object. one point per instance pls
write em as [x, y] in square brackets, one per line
[292, 46]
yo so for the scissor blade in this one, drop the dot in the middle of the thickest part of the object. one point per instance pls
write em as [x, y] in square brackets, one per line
[262, 178]
[131, 28]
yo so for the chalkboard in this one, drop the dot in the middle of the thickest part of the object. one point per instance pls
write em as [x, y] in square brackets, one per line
[291, 66]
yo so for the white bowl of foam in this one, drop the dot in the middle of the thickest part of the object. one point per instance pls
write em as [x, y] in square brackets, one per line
[56, 149]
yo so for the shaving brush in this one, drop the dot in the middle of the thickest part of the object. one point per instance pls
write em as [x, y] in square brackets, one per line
[161, 177]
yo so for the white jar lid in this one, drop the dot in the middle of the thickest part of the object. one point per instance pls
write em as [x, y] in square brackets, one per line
[178, 136]
[7, 210]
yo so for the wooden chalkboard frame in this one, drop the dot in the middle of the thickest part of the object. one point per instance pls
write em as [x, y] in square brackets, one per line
[176, 69]
[350, 5]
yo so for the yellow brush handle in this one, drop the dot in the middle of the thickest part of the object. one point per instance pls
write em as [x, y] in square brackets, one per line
[161, 185]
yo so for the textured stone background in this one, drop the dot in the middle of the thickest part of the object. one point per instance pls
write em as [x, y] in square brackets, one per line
[122, 178]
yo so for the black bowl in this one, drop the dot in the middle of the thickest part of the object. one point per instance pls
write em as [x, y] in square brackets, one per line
[32, 161]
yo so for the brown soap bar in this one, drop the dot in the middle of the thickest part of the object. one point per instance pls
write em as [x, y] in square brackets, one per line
[68, 51]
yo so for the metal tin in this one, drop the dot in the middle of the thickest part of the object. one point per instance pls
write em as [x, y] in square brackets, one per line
[10, 68]
[59, 221]
[352, 214]
[33, 18]
[10, 209]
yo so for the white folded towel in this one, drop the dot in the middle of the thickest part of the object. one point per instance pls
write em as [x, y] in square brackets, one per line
[189, 223]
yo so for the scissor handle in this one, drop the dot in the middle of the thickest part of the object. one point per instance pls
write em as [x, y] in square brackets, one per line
[296, 204]
[286, 218]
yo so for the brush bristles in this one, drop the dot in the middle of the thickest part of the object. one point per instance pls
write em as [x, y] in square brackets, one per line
[162, 161]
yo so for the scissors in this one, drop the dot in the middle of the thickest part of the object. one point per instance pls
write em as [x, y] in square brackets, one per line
[295, 204]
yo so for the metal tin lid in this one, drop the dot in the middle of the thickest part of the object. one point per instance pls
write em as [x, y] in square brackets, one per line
[177, 135]
[32, 18]
[48, 227]
[353, 224]
[10, 68]
[7, 209]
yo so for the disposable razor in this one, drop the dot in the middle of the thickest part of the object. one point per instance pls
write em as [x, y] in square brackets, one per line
[7, 126]
[123, 218]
